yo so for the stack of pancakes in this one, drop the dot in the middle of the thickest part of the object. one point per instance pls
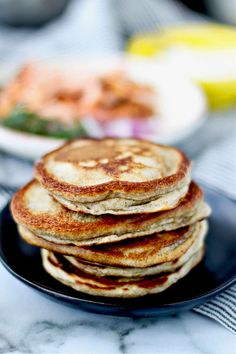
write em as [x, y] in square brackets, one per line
[114, 217]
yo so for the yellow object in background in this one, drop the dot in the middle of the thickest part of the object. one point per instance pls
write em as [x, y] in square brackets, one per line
[204, 52]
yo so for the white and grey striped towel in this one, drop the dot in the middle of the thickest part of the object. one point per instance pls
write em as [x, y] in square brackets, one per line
[222, 308]
[217, 167]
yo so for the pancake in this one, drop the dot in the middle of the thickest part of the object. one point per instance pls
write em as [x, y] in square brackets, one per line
[141, 252]
[63, 271]
[34, 208]
[102, 270]
[118, 206]
[115, 176]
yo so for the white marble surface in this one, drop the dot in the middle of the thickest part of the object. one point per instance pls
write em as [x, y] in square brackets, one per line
[29, 323]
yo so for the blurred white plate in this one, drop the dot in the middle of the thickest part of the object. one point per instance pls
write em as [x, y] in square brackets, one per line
[180, 103]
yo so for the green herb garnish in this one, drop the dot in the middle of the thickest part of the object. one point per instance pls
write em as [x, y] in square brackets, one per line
[29, 122]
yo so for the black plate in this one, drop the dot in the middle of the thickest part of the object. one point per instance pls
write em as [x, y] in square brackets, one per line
[216, 272]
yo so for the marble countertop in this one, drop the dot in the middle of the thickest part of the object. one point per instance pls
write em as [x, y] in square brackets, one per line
[30, 323]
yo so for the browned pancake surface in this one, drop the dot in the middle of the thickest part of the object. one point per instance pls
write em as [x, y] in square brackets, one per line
[140, 252]
[101, 169]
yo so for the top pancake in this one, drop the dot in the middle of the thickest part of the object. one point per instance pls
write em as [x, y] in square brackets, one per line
[123, 172]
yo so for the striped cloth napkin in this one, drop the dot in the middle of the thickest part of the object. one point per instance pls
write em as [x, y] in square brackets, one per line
[222, 308]
[217, 167]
